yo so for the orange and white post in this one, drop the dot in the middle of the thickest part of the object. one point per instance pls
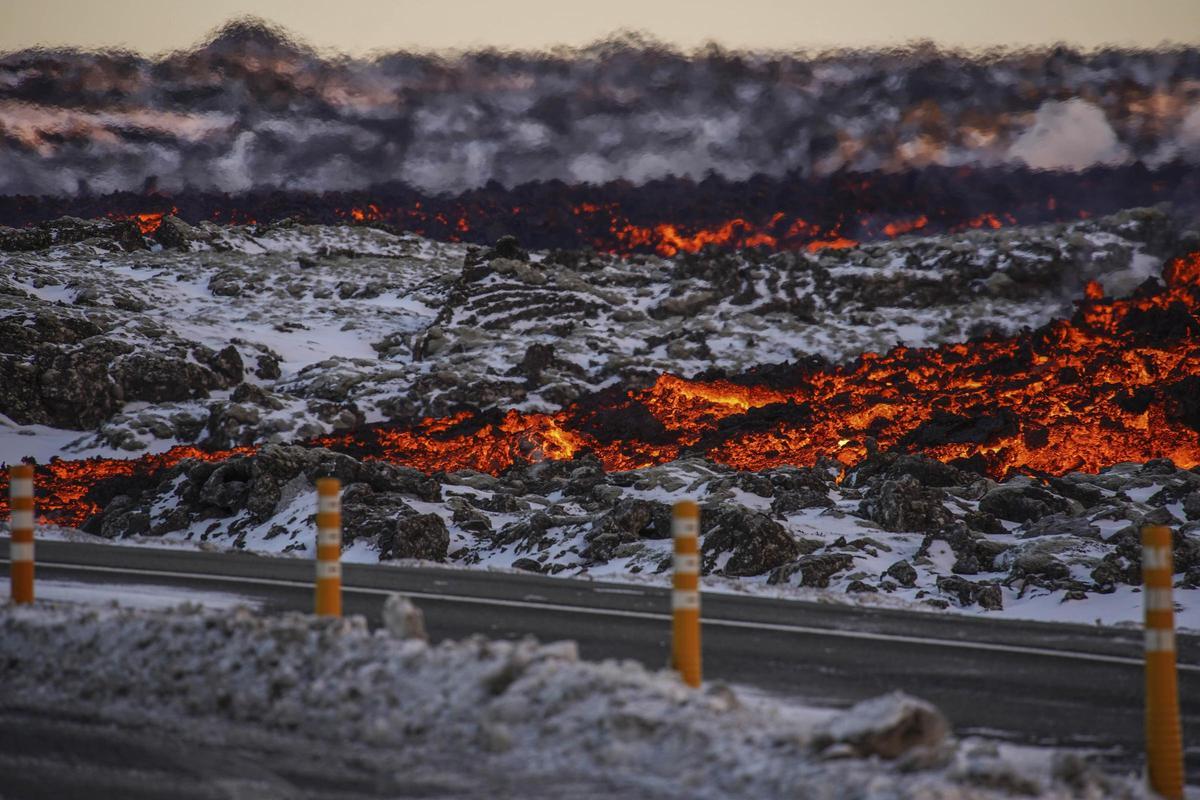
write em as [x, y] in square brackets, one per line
[1164, 738]
[685, 596]
[20, 549]
[329, 547]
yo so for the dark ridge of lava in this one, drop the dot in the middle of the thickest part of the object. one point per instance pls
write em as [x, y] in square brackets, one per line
[673, 215]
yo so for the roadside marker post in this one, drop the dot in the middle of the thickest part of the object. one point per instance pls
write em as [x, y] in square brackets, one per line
[685, 595]
[1164, 737]
[20, 553]
[329, 547]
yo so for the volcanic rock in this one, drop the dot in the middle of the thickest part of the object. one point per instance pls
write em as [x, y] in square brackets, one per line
[815, 570]
[1024, 504]
[226, 364]
[1061, 524]
[372, 516]
[786, 502]
[903, 572]
[174, 233]
[1039, 565]
[1191, 505]
[423, 536]
[630, 520]
[968, 593]
[755, 542]
[228, 487]
[905, 505]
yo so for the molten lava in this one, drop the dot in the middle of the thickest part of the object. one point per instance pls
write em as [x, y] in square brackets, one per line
[1120, 381]
[148, 222]
[673, 215]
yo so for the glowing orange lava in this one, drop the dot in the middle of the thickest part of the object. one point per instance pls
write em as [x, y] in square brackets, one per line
[1118, 382]
[148, 222]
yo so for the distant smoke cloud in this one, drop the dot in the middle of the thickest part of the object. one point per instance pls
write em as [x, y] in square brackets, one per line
[250, 109]
[1069, 136]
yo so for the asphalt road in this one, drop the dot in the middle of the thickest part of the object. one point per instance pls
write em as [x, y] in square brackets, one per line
[1026, 681]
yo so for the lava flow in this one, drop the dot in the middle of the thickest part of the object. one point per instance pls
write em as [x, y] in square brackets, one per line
[1118, 382]
[668, 216]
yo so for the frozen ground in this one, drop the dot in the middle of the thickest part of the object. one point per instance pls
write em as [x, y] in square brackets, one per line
[240, 335]
[271, 334]
[810, 534]
[529, 712]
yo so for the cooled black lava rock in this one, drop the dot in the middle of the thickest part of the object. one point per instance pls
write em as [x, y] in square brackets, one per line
[755, 542]
[1061, 525]
[422, 536]
[631, 519]
[1191, 505]
[371, 515]
[1039, 565]
[786, 502]
[977, 426]
[174, 233]
[903, 572]
[1186, 394]
[815, 570]
[905, 505]
[1023, 504]
[538, 358]
[987, 595]
[225, 363]
[228, 486]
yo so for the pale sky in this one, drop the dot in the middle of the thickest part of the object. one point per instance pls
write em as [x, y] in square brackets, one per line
[363, 26]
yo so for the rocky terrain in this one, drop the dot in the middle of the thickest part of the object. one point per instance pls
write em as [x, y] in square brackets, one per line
[227, 336]
[116, 344]
[900, 529]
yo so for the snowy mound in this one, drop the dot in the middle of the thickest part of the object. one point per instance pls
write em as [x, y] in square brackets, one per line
[512, 708]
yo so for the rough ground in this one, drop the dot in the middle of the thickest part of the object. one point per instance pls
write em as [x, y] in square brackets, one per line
[234, 335]
[524, 710]
[222, 336]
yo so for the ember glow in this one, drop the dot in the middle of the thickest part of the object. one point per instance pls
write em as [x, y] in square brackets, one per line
[1118, 382]
[672, 215]
[147, 222]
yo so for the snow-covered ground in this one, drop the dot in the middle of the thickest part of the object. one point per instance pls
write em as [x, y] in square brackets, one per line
[136, 595]
[273, 334]
[290, 331]
[518, 708]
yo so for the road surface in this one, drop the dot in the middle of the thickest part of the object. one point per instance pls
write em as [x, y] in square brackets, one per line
[1029, 682]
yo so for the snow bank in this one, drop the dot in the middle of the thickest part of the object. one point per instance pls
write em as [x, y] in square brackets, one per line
[518, 706]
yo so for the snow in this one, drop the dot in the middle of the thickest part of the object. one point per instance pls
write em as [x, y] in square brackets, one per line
[136, 595]
[514, 707]
[293, 307]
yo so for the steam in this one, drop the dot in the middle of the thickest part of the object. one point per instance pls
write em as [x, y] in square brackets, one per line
[251, 109]
[1069, 136]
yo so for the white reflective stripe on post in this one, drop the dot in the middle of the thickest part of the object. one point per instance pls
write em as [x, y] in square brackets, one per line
[329, 536]
[1160, 640]
[1159, 600]
[1157, 558]
[687, 563]
[329, 502]
[20, 551]
[684, 599]
[21, 487]
[22, 520]
[685, 528]
[329, 569]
